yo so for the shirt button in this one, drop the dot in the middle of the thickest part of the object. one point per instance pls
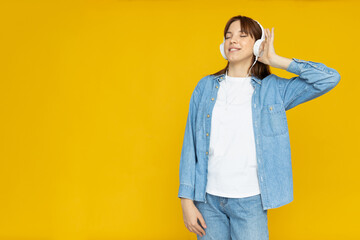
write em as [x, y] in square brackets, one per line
[207, 153]
[261, 178]
[207, 134]
[212, 99]
[216, 86]
[208, 115]
[255, 105]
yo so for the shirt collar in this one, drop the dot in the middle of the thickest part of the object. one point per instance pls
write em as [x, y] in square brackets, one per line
[221, 77]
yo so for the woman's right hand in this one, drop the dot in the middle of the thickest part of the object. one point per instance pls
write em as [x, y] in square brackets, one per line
[191, 215]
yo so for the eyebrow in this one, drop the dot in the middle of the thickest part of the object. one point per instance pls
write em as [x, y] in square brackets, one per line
[239, 31]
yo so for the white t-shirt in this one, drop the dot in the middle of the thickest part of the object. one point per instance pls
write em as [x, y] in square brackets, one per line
[232, 166]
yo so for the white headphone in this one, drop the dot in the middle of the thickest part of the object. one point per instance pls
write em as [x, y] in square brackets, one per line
[256, 47]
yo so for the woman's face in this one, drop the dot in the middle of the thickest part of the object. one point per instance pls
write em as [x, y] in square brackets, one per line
[241, 41]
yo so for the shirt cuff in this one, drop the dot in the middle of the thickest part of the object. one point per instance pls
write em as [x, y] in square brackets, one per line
[295, 66]
[186, 191]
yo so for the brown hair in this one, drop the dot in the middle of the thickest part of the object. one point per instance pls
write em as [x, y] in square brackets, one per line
[249, 26]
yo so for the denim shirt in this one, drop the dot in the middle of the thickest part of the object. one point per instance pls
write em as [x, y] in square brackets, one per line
[272, 96]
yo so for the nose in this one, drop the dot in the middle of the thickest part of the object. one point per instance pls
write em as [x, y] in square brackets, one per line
[233, 40]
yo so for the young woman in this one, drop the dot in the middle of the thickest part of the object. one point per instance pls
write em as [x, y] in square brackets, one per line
[235, 161]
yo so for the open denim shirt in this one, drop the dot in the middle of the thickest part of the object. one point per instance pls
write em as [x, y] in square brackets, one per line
[272, 96]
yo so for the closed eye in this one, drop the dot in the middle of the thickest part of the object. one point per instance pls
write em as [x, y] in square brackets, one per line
[240, 36]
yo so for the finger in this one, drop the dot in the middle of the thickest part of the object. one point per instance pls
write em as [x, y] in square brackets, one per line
[272, 37]
[202, 221]
[266, 43]
[269, 34]
[194, 230]
[200, 229]
[265, 34]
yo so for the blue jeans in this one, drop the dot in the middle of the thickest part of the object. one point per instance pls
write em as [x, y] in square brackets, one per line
[233, 218]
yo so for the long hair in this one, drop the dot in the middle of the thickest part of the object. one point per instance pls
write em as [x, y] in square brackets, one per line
[249, 26]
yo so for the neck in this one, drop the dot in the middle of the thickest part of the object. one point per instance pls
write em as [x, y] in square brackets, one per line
[239, 69]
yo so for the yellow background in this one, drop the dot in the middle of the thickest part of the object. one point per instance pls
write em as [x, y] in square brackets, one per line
[94, 98]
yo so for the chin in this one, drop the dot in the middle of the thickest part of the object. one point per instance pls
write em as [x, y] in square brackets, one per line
[235, 59]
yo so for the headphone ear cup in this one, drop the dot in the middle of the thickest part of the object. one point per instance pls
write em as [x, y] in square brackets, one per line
[222, 49]
[256, 48]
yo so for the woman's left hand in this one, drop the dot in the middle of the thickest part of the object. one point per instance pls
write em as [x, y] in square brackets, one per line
[267, 51]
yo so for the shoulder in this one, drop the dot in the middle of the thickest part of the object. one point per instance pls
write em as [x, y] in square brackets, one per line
[271, 80]
[202, 83]
[268, 80]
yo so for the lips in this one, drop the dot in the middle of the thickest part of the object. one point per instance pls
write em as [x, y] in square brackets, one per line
[231, 49]
[236, 49]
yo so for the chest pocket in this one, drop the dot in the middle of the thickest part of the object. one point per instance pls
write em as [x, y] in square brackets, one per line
[273, 120]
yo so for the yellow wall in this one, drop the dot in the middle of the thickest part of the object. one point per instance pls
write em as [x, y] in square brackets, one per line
[94, 98]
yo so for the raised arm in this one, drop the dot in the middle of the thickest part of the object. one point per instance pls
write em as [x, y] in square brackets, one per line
[314, 79]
